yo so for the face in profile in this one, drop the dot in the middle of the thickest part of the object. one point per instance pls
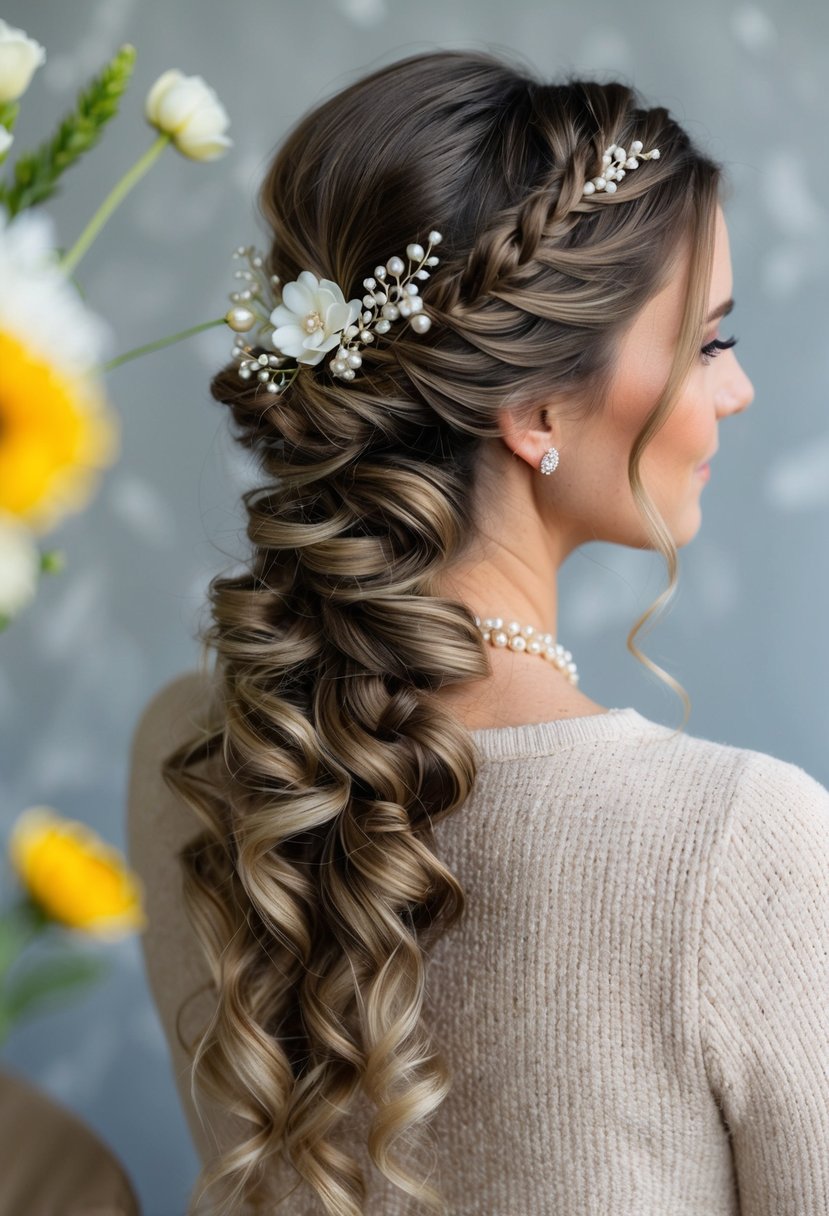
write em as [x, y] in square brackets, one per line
[590, 489]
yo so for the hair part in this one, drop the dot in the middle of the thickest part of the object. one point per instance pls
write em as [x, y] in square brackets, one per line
[314, 887]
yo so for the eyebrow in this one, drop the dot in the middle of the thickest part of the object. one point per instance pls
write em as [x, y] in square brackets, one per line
[723, 311]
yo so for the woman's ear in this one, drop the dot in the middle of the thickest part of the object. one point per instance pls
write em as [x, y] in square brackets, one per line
[528, 431]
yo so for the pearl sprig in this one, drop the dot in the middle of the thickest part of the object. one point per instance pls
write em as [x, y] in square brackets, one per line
[514, 636]
[394, 300]
[615, 163]
[242, 317]
[402, 299]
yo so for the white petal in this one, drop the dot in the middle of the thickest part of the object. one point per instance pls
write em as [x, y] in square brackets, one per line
[298, 297]
[282, 316]
[331, 341]
[19, 565]
[288, 339]
[180, 103]
[334, 288]
[206, 148]
[153, 99]
[310, 356]
[313, 340]
[309, 280]
[337, 316]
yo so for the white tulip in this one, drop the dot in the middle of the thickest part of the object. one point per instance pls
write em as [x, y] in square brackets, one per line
[311, 317]
[6, 141]
[186, 108]
[19, 565]
[19, 57]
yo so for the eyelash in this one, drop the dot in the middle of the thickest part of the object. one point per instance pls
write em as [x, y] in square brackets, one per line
[712, 349]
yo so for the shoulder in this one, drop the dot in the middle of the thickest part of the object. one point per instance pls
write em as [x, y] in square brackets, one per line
[176, 713]
[173, 710]
[778, 804]
[741, 772]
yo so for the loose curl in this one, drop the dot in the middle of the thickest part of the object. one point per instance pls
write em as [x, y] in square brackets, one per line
[314, 887]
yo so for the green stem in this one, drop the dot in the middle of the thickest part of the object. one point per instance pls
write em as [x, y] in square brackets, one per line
[18, 926]
[115, 196]
[151, 346]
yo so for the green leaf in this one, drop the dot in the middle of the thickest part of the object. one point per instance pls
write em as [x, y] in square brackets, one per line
[48, 984]
[36, 173]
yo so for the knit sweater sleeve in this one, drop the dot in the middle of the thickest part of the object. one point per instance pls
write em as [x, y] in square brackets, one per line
[764, 988]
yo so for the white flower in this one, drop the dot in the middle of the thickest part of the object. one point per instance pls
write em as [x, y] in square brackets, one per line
[6, 141]
[19, 565]
[19, 57]
[311, 318]
[186, 108]
[37, 301]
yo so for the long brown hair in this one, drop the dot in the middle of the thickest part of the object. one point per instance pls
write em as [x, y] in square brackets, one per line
[314, 886]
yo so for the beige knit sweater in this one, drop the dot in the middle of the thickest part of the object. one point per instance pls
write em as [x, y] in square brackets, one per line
[636, 1003]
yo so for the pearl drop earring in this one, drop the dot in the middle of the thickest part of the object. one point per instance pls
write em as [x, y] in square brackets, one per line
[549, 461]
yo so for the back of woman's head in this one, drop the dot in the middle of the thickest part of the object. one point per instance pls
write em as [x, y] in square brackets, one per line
[315, 888]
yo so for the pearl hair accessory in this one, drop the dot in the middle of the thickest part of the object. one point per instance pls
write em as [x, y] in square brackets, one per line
[615, 163]
[310, 316]
[526, 637]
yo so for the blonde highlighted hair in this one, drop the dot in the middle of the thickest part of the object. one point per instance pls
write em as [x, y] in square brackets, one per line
[314, 886]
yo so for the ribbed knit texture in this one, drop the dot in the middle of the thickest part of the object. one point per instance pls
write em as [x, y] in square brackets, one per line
[635, 1005]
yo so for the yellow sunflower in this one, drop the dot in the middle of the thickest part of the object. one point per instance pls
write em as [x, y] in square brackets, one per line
[74, 876]
[57, 431]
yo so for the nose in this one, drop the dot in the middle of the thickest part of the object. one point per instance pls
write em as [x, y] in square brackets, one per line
[736, 394]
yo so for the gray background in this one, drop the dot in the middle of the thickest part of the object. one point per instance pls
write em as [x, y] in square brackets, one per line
[746, 633]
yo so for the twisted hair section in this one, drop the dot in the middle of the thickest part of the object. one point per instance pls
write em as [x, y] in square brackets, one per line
[315, 886]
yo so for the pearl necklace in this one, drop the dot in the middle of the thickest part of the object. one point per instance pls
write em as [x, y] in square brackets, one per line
[526, 637]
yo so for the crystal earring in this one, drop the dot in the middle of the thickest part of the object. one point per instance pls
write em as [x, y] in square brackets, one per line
[549, 461]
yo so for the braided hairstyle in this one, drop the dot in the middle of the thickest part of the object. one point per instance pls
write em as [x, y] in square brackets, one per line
[314, 886]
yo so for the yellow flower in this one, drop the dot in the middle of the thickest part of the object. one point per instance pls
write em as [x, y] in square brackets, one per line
[55, 435]
[56, 428]
[74, 876]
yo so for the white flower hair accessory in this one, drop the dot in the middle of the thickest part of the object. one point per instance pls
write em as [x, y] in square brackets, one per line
[615, 163]
[308, 317]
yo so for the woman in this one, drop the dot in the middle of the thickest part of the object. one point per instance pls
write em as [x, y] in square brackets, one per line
[442, 929]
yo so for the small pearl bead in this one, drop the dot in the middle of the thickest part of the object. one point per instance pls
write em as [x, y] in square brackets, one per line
[515, 636]
[240, 319]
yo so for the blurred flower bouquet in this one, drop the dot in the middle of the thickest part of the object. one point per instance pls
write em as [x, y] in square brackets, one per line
[72, 881]
[57, 433]
[57, 430]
